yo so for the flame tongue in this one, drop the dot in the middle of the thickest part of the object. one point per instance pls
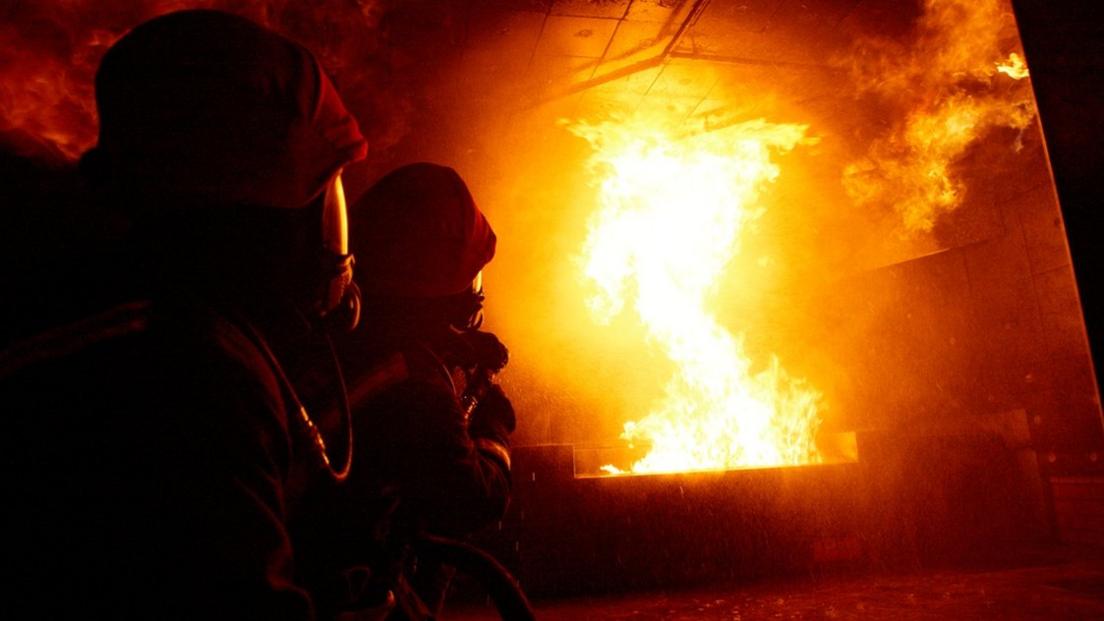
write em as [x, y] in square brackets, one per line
[951, 90]
[1014, 67]
[672, 213]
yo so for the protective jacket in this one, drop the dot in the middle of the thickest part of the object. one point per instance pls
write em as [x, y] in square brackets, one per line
[145, 459]
[419, 465]
[418, 442]
[152, 446]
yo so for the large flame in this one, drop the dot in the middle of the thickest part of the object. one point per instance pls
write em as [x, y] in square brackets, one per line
[952, 85]
[673, 210]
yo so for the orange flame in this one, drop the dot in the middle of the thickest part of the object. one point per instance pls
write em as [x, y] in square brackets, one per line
[945, 84]
[1014, 67]
[673, 210]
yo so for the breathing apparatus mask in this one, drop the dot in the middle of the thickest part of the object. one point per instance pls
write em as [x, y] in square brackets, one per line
[255, 255]
[339, 298]
[466, 308]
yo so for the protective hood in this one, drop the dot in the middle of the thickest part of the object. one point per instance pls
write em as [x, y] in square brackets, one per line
[418, 233]
[208, 107]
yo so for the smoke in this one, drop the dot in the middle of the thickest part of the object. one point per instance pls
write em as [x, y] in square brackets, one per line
[948, 87]
[49, 52]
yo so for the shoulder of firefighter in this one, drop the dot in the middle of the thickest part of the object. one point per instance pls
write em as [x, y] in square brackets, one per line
[441, 429]
[194, 445]
[465, 371]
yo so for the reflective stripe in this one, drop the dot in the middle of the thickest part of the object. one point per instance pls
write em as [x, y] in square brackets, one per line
[495, 450]
[129, 318]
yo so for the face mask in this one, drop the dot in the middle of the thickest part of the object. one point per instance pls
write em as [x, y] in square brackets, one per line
[339, 298]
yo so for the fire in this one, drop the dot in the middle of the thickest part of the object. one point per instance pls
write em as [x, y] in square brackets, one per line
[673, 209]
[1014, 67]
[950, 87]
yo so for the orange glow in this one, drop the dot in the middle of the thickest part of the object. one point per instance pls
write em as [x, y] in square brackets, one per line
[50, 49]
[49, 98]
[1014, 67]
[673, 210]
[949, 84]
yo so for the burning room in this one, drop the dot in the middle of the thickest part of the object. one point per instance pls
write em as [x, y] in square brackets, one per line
[798, 296]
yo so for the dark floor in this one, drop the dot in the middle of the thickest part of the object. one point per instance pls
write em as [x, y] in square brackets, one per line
[1064, 586]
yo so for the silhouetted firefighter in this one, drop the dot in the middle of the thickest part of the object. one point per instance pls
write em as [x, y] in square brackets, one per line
[432, 455]
[153, 445]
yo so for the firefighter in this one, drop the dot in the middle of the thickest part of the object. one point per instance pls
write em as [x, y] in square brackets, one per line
[432, 427]
[154, 444]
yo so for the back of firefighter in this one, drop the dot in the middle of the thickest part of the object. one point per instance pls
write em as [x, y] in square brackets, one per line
[150, 433]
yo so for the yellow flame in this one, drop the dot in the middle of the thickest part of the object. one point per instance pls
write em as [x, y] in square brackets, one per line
[943, 86]
[1014, 67]
[912, 169]
[672, 212]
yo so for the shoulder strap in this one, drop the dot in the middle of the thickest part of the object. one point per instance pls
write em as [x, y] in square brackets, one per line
[297, 411]
[65, 340]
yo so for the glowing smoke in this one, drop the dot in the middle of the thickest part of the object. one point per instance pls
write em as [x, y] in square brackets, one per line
[952, 85]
